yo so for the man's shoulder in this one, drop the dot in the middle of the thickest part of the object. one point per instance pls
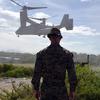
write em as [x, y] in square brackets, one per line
[67, 52]
[43, 51]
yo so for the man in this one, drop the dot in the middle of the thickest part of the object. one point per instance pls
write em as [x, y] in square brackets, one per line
[51, 64]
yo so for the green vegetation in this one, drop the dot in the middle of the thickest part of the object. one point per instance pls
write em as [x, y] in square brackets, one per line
[88, 84]
[88, 87]
[24, 64]
[9, 70]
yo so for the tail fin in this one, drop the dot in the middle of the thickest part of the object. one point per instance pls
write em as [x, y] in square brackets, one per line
[67, 22]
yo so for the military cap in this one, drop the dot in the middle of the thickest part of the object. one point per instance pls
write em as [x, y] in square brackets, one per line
[54, 32]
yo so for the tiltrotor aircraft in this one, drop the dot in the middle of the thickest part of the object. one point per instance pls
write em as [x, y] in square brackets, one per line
[39, 28]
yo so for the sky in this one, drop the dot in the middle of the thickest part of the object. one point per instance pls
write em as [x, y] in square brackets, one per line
[84, 38]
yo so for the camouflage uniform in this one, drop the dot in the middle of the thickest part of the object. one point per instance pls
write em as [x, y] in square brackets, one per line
[51, 64]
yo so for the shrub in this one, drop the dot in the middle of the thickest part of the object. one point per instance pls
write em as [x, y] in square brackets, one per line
[19, 72]
[88, 87]
[6, 67]
[8, 70]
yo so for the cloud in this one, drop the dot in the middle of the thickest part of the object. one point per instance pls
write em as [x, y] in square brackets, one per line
[32, 44]
[82, 30]
[52, 3]
[1, 1]
[85, 0]
[81, 39]
[81, 43]
[9, 20]
[8, 14]
[40, 15]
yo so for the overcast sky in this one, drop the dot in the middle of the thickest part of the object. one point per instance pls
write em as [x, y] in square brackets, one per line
[84, 38]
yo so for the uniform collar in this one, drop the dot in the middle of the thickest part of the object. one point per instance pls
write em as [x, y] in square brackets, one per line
[54, 45]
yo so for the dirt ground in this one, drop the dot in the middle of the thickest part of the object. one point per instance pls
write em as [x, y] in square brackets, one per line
[6, 83]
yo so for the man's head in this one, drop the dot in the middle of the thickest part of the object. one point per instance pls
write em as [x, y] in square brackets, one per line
[55, 36]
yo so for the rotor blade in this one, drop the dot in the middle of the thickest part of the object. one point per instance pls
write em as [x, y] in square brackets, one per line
[36, 18]
[41, 19]
[16, 3]
[30, 8]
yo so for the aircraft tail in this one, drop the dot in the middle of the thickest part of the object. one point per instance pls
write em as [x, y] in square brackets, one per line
[67, 22]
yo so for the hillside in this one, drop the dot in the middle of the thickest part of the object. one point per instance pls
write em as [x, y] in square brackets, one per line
[12, 57]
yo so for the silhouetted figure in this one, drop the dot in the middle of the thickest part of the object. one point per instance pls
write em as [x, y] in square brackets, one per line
[51, 64]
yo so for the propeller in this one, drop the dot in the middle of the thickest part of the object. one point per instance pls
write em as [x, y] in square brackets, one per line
[16, 3]
[30, 8]
[26, 7]
[41, 19]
